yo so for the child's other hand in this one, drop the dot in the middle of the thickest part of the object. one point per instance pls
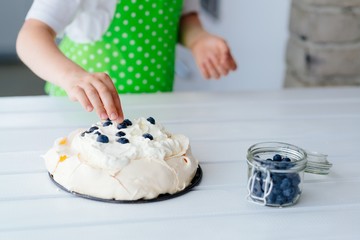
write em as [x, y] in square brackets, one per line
[95, 91]
[213, 56]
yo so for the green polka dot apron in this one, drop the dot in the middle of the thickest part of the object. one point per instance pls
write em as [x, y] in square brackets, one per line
[137, 50]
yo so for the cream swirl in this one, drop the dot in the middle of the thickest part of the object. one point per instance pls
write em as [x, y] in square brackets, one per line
[113, 155]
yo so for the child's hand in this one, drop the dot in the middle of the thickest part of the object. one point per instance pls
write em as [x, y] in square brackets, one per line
[37, 48]
[95, 90]
[212, 55]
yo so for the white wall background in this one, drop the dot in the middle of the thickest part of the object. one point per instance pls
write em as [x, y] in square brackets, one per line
[257, 32]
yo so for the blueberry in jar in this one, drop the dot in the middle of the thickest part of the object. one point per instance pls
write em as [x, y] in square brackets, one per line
[280, 199]
[289, 192]
[285, 183]
[294, 178]
[258, 191]
[277, 158]
[286, 159]
[285, 165]
[283, 187]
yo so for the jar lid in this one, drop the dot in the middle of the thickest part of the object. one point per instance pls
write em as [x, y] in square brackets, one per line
[317, 163]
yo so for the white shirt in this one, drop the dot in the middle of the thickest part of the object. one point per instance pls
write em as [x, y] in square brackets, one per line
[77, 17]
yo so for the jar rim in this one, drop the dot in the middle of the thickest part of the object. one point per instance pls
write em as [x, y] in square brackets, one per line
[277, 147]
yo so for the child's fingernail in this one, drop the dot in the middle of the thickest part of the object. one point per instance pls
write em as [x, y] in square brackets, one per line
[113, 116]
[89, 109]
[103, 116]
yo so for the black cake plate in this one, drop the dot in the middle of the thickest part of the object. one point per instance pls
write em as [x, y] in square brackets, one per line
[194, 182]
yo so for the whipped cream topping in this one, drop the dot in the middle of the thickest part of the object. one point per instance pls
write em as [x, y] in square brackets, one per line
[113, 155]
[132, 160]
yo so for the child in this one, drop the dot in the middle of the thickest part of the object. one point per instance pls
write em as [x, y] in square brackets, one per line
[115, 46]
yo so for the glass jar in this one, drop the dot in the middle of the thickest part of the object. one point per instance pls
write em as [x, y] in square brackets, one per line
[275, 173]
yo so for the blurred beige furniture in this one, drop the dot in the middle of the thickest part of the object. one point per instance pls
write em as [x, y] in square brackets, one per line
[324, 43]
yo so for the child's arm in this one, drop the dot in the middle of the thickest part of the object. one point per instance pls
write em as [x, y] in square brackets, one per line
[36, 47]
[211, 53]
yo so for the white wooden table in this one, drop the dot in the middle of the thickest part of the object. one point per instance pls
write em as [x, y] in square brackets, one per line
[221, 126]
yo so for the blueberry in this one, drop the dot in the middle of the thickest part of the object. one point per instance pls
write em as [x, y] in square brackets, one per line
[127, 122]
[257, 190]
[271, 198]
[107, 123]
[148, 135]
[276, 190]
[294, 178]
[285, 183]
[120, 134]
[289, 193]
[285, 165]
[92, 129]
[123, 140]
[277, 177]
[280, 199]
[102, 139]
[121, 126]
[277, 158]
[286, 159]
[151, 120]
[261, 184]
[267, 163]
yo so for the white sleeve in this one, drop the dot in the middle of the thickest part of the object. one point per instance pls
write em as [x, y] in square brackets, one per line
[55, 13]
[191, 6]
